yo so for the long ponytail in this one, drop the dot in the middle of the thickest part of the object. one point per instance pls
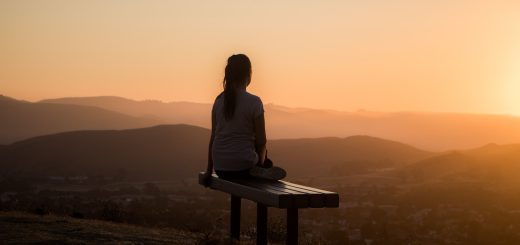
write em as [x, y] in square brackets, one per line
[237, 73]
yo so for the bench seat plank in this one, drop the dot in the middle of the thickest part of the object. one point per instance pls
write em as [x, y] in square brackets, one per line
[247, 192]
[314, 199]
[297, 199]
[279, 194]
[331, 198]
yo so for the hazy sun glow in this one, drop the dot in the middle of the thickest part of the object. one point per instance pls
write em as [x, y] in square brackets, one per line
[511, 96]
[347, 55]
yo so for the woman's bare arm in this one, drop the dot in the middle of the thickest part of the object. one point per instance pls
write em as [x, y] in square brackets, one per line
[260, 138]
[210, 157]
[209, 170]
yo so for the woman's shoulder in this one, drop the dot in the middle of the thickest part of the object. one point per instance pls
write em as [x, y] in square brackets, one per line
[254, 103]
[252, 97]
[218, 98]
[218, 101]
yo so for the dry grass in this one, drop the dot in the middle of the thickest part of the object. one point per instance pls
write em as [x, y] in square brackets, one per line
[25, 228]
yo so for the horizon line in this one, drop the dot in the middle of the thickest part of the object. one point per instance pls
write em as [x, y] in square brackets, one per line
[270, 103]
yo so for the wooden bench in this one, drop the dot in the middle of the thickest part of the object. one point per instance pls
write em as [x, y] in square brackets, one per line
[268, 193]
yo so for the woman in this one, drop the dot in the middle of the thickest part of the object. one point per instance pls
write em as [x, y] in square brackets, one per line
[237, 147]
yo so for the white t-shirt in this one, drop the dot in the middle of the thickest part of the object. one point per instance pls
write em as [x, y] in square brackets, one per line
[234, 142]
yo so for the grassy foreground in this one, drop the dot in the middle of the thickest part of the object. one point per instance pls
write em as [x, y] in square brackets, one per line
[25, 228]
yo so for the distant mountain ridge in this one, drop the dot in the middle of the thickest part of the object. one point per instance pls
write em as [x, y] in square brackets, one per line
[21, 120]
[180, 151]
[197, 114]
[432, 131]
[6, 98]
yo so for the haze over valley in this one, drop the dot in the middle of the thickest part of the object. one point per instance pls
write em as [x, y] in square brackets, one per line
[429, 131]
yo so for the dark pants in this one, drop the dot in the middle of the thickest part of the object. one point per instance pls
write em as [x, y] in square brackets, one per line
[233, 174]
[243, 173]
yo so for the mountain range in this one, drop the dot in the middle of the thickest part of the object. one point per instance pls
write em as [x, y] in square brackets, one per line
[432, 131]
[180, 151]
[21, 119]
[168, 152]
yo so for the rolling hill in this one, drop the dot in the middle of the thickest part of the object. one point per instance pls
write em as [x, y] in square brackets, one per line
[342, 156]
[489, 164]
[21, 119]
[180, 151]
[150, 153]
[432, 131]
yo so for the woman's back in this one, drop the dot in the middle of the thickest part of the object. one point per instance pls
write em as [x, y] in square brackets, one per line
[237, 146]
[234, 143]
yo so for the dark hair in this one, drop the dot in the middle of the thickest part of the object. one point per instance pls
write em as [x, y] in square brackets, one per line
[237, 73]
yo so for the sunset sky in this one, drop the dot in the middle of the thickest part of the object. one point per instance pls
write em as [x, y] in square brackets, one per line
[442, 55]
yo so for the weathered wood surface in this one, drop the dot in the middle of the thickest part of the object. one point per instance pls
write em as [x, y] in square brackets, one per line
[280, 194]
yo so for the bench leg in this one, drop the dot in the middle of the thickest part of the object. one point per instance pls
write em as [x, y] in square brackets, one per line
[235, 217]
[261, 224]
[292, 226]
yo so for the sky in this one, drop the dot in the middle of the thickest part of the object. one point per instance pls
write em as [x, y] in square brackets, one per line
[377, 55]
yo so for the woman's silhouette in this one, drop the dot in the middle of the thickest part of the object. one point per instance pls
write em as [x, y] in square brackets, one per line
[237, 147]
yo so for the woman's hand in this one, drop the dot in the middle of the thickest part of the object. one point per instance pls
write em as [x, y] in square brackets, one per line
[206, 178]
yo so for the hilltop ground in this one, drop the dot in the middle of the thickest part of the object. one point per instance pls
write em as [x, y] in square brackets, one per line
[19, 228]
